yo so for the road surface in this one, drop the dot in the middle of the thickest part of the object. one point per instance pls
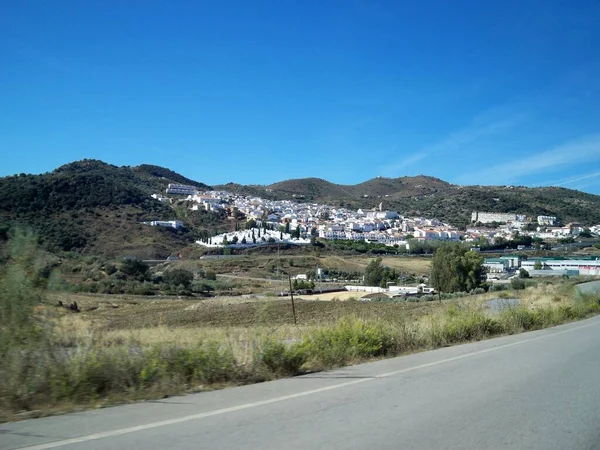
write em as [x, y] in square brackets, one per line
[590, 287]
[537, 390]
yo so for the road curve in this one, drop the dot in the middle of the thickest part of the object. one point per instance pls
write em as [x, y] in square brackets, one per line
[591, 287]
[536, 390]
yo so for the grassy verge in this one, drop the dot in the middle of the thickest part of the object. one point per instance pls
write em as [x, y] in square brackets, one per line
[53, 362]
[77, 365]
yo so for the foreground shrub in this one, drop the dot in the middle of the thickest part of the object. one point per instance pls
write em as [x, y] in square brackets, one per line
[519, 318]
[462, 325]
[87, 373]
[282, 359]
[498, 287]
[349, 340]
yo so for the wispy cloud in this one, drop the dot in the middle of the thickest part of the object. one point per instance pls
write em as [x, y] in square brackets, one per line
[582, 150]
[577, 179]
[456, 141]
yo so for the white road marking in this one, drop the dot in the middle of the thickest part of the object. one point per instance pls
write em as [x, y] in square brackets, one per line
[162, 423]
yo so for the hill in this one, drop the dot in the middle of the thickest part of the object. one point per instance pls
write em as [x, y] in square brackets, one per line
[96, 208]
[152, 173]
[309, 188]
[92, 207]
[431, 197]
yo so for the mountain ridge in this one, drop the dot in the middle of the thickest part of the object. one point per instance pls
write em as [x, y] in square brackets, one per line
[92, 207]
[432, 197]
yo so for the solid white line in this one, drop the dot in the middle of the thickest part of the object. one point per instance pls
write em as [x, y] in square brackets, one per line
[480, 352]
[162, 423]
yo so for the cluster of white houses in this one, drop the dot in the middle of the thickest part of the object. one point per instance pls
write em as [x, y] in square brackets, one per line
[304, 220]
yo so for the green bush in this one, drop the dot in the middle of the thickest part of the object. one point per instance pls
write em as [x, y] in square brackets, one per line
[205, 362]
[519, 318]
[518, 284]
[210, 275]
[498, 287]
[135, 269]
[282, 359]
[179, 277]
[348, 340]
[461, 325]
[20, 291]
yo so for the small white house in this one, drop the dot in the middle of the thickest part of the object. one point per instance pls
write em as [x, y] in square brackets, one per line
[166, 223]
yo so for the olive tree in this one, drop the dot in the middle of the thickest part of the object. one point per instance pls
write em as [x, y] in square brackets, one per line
[455, 268]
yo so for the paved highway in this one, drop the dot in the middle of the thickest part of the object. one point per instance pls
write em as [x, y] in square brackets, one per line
[536, 390]
[590, 287]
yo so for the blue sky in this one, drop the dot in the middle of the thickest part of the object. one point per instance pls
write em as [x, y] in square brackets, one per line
[260, 91]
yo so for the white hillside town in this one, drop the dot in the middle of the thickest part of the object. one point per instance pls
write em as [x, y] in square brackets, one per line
[292, 222]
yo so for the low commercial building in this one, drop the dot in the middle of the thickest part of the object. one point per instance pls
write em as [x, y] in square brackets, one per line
[514, 261]
[496, 265]
[584, 266]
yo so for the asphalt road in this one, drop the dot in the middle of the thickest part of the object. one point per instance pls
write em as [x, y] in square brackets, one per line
[537, 390]
[590, 287]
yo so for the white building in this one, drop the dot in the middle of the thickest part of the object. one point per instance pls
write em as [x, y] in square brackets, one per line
[181, 189]
[546, 220]
[488, 217]
[583, 266]
[161, 198]
[166, 223]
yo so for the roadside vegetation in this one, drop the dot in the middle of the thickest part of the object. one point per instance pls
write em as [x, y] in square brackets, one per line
[55, 358]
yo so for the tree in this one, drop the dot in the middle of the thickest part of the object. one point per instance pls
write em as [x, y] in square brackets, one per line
[177, 277]
[210, 275]
[455, 268]
[203, 287]
[378, 275]
[250, 224]
[538, 265]
[296, 233]
[135, 268]
[374, 273]
[244, 240]
[523, 273]
[287, 227]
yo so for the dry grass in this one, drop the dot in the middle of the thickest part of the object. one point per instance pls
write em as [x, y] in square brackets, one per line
[259, 265]
[418, 265]
[134, 312]
[342, 296]
[128, 349]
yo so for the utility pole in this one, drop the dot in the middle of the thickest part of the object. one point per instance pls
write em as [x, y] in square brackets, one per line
[292, 296]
